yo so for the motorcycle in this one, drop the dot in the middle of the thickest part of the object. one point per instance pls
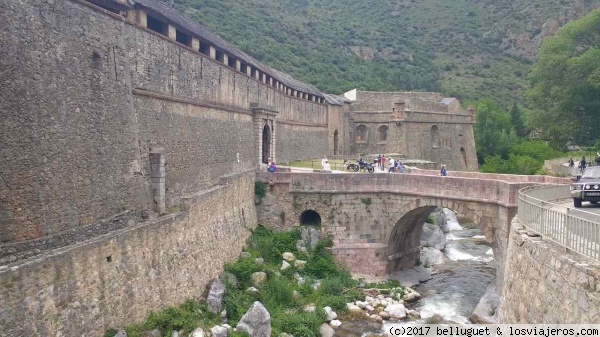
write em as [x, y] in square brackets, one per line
[363, 165]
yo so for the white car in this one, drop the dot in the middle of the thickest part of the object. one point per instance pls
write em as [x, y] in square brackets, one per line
[587, 187]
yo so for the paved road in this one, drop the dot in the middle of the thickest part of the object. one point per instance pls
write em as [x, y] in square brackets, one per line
[587, 211]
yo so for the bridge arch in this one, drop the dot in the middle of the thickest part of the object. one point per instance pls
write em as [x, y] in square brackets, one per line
[406, 225]
[310, 218]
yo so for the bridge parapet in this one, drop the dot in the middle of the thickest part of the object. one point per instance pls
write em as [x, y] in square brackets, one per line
[512, 178]
[463, 188]
[574, 229]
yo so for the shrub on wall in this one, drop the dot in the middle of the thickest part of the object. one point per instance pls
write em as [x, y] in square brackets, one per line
[260, 189]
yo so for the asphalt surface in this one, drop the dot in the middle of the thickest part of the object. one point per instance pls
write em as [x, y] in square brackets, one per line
[586, 211]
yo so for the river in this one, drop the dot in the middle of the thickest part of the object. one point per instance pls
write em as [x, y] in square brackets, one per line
[455, 288]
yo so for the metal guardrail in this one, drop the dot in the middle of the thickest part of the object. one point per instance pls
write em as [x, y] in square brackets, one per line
[576, 230]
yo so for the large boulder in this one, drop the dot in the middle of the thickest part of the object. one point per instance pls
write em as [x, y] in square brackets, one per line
[121, 333]
[215, 296]
[439, 218]
[198, 333]
[431, 256]
[331, 315]
[432, 236]
[289, 257]
[485, 312]
[396, 311]
[256, 321]
[412, 277]
[326, 331]
[218, 331]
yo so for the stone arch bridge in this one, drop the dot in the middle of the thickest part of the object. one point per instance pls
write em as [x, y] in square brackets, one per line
[376, 219]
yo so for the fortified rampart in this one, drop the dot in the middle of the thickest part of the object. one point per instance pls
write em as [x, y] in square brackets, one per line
[419, 125]
[88, 93]
[119, 278]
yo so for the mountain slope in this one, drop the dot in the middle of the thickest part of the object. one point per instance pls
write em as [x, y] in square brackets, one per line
[465, 48]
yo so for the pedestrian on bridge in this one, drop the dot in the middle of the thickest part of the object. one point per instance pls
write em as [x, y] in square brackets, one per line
[443, 171]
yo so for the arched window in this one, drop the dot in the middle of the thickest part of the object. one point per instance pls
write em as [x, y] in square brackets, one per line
[362, 133]
[382, 131]
[435, 137]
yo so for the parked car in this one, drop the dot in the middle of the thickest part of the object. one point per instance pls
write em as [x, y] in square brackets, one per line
[587, 186]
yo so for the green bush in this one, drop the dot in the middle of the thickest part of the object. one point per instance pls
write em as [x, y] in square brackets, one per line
[278, 292]
[260, 189]
[271, 245]
[243, 269]
[301, 324]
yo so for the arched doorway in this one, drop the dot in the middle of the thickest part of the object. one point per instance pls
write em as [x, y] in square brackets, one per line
[310, 218]
[335, 142]
[266, 143]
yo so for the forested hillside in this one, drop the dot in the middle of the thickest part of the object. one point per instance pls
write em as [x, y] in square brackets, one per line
[471, 49]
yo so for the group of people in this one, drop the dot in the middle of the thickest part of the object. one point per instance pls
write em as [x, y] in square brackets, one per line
[583, 162]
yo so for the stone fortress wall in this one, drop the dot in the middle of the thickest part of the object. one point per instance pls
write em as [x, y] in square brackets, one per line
[88, 94]
[419, 125]
[127, 139]
[544, 283]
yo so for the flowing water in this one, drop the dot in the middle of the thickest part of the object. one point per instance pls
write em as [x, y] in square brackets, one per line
[455, 289]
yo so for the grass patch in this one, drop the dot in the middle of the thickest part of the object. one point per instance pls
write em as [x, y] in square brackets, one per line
[282, 295]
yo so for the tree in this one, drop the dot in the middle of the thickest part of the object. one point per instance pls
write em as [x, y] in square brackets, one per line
[494, 134]
[564, 92]
[516, 117]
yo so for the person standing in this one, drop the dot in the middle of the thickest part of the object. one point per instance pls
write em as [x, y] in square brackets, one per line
[391, 165]
[400, 167]
[326, 166]
[379, 161]
[324, 161]
[443, 171]
[582, 164]
[382, 163]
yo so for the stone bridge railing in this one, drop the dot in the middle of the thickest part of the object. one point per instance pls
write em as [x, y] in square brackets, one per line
[471, 187]
[576, 230]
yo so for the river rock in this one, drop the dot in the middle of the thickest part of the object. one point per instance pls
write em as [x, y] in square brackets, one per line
[369, 308]
[331, 315]
[309, 308]
[335, 323]
[284, 265]
[412, 277]
[259, 277]
[244, 255]
[288, 256]
[397, 311]
[361, 304]
[259, 261]
[485, 312]
[384, 315]
[317, 284]
[121, 333]
[228, 327]
[411, 295]
[300, 264]
[154, 333]
[256, 321]
[173, 334]
[431, 256]
[299, 279]
[374, 303]
[432, 236]
[252, 291]
[218, 331]
[326, 331]
[198, 333]
[377, 318]
[353, 307]
[413, 313]
[214, 300]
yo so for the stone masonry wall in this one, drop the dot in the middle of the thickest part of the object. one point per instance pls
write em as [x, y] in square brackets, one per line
[361, 210]
[87, 96]
[117, 279]
[545, 284]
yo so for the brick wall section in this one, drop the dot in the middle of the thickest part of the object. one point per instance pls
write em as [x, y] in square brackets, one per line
[87, 96]
[76, 291]
[545, 284]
